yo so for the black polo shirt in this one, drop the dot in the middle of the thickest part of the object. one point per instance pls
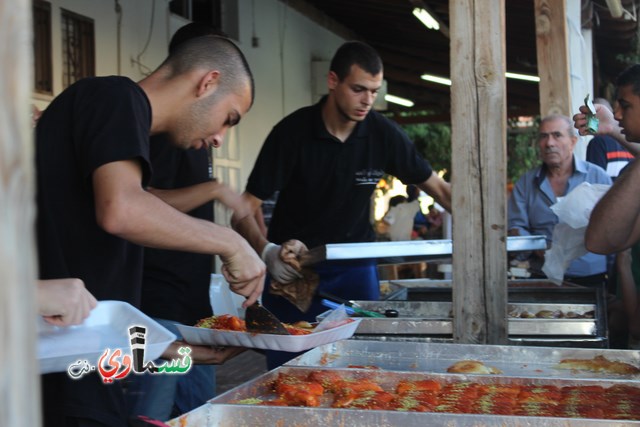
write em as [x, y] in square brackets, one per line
[326, 185]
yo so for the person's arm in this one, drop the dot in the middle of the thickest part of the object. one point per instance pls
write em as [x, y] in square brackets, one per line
[629, 293]
[259, 217]
[439, 189]
[245, 223]
[186, 199]
[607, 125]
[517, 212]
[614, 224]
[202, 354]
[125, 209]
[64, 302]
[270, 253]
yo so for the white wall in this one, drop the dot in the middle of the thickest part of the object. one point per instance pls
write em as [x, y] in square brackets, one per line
[135, 25]
[281, 63]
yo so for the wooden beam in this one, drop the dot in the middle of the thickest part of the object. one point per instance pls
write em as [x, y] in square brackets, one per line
[478, 136]
[553, 57]
[20, 391]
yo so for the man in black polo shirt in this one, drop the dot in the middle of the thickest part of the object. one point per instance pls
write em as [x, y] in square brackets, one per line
[326, 161]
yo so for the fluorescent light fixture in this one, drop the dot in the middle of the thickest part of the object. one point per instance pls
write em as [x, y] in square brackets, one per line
[615, 7]
[436, 79]
[446, 81]
[397, 100]
[522, 77]
[424, 17]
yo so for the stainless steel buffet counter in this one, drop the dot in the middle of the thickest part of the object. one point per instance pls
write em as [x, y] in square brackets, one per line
[538, 315]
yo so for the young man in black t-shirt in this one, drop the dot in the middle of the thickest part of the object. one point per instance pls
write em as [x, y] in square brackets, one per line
[94, 215]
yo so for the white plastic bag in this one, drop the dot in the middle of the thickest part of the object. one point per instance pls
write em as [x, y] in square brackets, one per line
[573, 212]
[223, 301]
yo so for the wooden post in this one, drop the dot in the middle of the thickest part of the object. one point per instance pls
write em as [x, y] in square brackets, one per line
[478, 107]
[553, 57]
[19, 379]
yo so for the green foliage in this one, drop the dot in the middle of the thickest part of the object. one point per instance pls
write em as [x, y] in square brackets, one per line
[433, 141]
[522, 149]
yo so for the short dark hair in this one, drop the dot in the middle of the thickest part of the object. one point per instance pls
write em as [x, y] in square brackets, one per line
[211, 51]
[630, 77]
[396, 200]
[358, 53]
[191, 31]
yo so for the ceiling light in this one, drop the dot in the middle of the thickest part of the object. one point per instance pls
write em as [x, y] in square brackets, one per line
[424, 17]
[615, 7]
[397, 100]
[522, 77]
[446, 81]
[436, 79]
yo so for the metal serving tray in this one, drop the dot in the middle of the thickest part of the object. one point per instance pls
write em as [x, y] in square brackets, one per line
[518, 361]
[222, 411]
[419, 283]
[411, 250]
[435, 318]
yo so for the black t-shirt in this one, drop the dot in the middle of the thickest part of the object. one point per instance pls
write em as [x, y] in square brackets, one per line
[175, 285]
[326, 185]
[93, 122]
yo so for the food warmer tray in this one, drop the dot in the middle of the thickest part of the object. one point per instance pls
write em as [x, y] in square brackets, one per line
[223, 412]
[409, 251]
[519, 361]
[425, 316]
[434, 318]
[420, 283]
[518, 291]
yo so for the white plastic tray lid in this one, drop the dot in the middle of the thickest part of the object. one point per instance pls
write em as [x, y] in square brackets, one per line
[106, 327]
[292, 343]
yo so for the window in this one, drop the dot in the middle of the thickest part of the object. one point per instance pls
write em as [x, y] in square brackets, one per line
[222, 14]
[78, 47]
[43, 80]
[202, 11]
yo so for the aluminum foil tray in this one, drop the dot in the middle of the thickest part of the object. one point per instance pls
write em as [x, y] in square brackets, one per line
[518, 361]
[222, 411]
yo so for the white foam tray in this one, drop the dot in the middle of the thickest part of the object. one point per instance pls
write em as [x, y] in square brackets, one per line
[106, 327]
[292, 343]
